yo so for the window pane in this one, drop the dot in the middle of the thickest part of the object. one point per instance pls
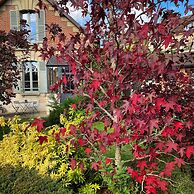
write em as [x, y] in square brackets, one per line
[70, 85]
[66, 69]
[25, 17]
[33, 27]
[26, 67]
[34, 76]
[34, 66]
[52, 75]
[27, 85]
[27, 76]
[35, 84]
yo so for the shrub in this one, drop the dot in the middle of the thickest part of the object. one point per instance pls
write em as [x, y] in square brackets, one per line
[61, 108]
[20, 180]
[183, 183]
[25, 151]
[4, 129]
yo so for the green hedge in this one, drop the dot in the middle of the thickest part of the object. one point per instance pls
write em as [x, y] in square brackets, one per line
[19, 180]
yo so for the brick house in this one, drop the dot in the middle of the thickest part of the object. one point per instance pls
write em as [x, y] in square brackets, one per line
[185, 58]
[36, 77]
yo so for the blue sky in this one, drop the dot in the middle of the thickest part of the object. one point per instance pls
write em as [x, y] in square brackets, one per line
[179, 9]
[77, 15]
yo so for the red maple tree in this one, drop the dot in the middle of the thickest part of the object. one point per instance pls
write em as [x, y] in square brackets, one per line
[123, 62]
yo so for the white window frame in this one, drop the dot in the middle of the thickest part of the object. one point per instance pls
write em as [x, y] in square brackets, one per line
[31, 89]
[29, 13]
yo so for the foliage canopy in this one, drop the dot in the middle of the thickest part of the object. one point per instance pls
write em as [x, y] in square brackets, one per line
[126, 62]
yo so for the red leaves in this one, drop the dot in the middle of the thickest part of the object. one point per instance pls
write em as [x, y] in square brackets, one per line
[167, 132]
[189, 151]
[42, 139]
[39, 124]
[134, 174]
[153, 182]
[88, 151]
[169, 105]
[168, 40]
[108, 161]
[179, 162]
[62, 131]
[73, 68]
[95, 84]
[102, 148]
[153, 124]
[129, 170]
[134, 99]
[142, 164]
[73, 163]
[171, 146]
[159, 102]
[144, 31]
[162, 185]
[65, 79]
[150, 190]
[168, 169]
[178, 125]
[72, 129]
[81, 141]
[96, 165]
[73, 106]
[141, 96]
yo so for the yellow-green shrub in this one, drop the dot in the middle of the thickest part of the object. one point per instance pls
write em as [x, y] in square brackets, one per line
[20, 149]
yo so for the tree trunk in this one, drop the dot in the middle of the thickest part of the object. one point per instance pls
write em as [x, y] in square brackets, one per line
[118, 155]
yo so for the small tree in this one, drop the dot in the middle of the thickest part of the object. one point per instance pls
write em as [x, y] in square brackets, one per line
[9, 71]
[123, 61]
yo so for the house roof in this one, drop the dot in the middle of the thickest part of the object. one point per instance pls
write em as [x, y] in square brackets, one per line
[62, 13]
[185, 20]
[59, 9]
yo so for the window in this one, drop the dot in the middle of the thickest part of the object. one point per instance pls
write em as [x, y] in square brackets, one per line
[30, 18]
[66, 71]
[35, 23]
[56, 73]
[30, 77]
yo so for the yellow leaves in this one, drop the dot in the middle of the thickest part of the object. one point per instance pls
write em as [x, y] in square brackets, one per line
[2, 121]
[74, 117]
[75, 175]
[21, 147]
[63, 169]
[63, 119]
[89, 188]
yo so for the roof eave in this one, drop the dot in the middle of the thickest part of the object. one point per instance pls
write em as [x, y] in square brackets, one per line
[63, 14]
[54, 4]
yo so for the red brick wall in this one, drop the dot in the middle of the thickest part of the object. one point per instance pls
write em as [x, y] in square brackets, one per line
[49, 17]
[5, 18]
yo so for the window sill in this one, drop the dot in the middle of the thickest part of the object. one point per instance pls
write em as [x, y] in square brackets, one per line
[31, 94]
